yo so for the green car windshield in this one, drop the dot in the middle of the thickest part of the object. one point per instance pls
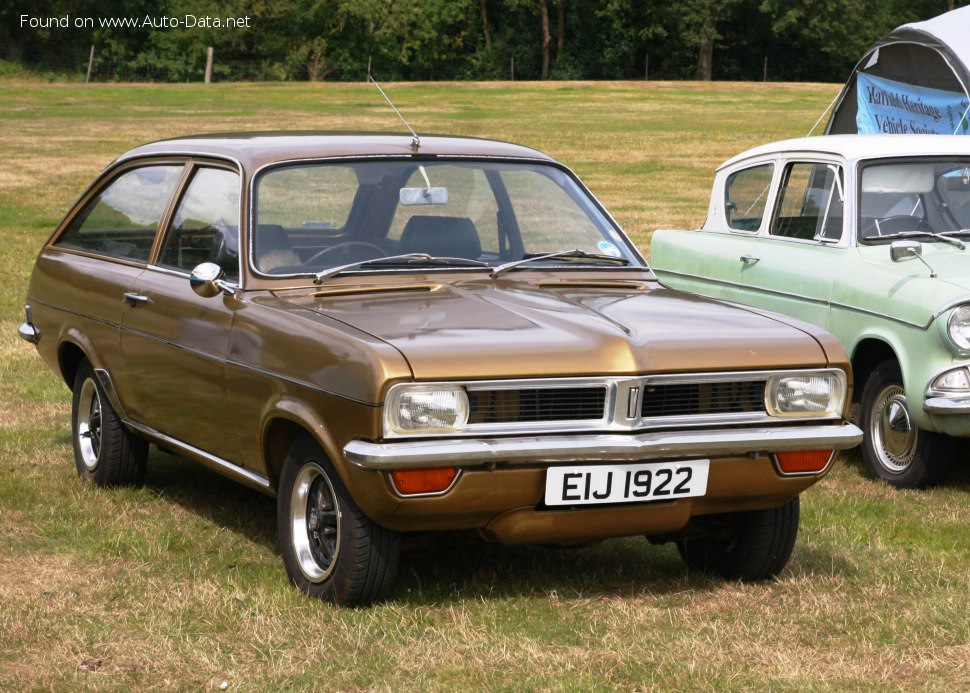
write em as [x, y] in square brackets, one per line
[923, 197]
[313, 217]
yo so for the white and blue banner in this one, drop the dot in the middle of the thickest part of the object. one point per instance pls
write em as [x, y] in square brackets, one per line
[890, 107]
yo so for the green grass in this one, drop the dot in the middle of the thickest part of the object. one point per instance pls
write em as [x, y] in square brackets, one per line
[179, 584]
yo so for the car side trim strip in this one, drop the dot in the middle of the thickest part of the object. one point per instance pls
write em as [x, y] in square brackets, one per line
[784, 294]
[598, 448]
[218, 464]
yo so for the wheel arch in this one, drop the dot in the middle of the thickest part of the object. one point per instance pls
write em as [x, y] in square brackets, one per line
[287, 421]
[868, 354]
[69, 358]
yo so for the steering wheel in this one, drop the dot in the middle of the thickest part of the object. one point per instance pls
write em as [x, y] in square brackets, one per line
[900, 222]
[344, 247]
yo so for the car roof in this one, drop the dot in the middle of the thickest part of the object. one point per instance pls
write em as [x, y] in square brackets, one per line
[255, 149]
[854, 147]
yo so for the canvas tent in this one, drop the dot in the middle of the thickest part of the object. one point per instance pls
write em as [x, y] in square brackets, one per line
[914, 79]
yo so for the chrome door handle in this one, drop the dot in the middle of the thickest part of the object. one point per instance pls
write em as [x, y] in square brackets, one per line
[133, 299]
[749, 259]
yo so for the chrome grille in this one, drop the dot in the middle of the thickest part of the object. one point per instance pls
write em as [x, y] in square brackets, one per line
[696, 399]
[536, 405]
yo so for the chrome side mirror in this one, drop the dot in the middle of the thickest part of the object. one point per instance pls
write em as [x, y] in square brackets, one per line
[207, 280]
[905, 250]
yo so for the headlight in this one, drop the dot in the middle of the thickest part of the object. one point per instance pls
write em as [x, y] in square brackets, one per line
[415, 409]
[809, 394]
[958, 328]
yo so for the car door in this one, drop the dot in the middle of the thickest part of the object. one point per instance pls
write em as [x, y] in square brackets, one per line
[792, 268]
[175, 342]
[102, 250]
[709, 262]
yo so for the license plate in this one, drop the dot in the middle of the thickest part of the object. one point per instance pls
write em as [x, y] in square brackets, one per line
[626, 483]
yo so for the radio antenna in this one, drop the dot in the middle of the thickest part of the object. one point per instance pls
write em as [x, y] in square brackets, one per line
[415, 140]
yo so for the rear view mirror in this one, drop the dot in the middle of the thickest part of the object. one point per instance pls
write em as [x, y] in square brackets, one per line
[424, 196]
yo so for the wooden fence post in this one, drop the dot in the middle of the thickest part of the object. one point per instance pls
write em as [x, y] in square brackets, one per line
[208, 65]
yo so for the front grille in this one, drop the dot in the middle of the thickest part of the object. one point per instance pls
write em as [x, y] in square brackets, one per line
[536, 405]
[692, 399]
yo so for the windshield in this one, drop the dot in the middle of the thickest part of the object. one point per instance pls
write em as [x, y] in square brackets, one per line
[318, 216]
[926, 197]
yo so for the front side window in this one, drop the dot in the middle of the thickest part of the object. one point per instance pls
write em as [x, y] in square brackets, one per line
[746, 197]
[122, 220]
[810, 205]
[205, 227]
[316, 216]
[927, 198]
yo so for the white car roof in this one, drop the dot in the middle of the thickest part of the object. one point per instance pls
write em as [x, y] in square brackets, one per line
[854, 147]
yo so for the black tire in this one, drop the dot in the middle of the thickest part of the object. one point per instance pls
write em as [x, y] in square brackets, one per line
[105, 452]
[330, 548]
[893, 449]
[751, 546]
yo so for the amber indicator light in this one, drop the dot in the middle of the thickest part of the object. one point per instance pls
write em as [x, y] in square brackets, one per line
[800, 461]
[411, 482]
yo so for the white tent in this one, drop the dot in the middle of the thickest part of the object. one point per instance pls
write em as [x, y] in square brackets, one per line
[915, 79]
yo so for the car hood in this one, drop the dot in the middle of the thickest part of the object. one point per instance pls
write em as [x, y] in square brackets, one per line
[510, 328]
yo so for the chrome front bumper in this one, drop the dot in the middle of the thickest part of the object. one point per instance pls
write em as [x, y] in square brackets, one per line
[947, 405]
[463, 452]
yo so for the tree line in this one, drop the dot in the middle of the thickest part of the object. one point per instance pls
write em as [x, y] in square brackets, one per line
[778, 40]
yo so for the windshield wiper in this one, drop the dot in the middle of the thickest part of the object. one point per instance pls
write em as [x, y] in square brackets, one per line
[569, 253]
[923, 234]
[405, 259]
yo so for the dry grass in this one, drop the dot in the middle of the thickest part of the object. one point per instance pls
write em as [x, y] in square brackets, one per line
[179, 584]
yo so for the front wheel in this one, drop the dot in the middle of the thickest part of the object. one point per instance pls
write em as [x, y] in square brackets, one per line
[105, 452]
[330, 548]
[750, 546]
[894, 449]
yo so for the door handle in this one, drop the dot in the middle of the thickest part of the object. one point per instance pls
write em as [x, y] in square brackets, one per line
[749, 259]
[133, 299]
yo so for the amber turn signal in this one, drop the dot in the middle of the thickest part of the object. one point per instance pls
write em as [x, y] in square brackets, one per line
[802, 461]
[412, 482]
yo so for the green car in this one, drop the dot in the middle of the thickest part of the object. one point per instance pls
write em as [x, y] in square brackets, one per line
[866, 236]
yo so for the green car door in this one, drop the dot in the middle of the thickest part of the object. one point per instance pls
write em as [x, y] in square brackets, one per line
[793, 267]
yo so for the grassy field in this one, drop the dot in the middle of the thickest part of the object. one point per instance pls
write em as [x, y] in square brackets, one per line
[179, 584]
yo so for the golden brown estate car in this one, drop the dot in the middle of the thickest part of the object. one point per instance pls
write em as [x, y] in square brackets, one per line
[398, 335]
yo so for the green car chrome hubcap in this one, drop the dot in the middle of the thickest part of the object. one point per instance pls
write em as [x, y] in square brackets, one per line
[893, 435]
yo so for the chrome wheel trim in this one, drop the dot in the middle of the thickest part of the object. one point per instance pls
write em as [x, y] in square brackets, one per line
[89, 420]
[314, 523]
[894, 438]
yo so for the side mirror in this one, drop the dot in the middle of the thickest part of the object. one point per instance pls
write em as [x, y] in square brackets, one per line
[207, 280]
[905, 250]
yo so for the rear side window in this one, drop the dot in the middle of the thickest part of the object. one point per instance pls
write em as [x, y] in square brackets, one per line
[122, 220]
[746, 197]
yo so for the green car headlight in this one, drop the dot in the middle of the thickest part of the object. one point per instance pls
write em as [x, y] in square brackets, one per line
[819, 393]
[958, 327]
[417, 409]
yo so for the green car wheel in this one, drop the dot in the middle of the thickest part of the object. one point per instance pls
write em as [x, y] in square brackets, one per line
[894, 449]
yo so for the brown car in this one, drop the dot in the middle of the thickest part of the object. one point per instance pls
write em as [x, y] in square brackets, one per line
[394, 335]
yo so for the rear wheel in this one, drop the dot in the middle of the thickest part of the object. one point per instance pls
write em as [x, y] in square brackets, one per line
[750, 546]
[105, 452]
[894, 449]
[330, 548]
